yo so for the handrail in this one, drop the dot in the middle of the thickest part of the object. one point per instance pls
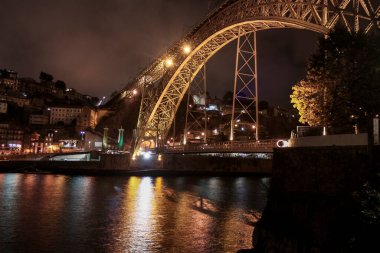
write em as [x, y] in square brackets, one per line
[238, 146]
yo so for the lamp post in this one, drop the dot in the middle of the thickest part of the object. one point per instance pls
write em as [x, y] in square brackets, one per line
[82, 139]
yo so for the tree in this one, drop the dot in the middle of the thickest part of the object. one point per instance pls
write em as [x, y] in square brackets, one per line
[45, 77]
[60, 85]
[342, 86]
[228, 97]
[263, 105]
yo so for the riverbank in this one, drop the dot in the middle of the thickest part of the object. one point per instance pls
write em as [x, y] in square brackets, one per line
[166, 165]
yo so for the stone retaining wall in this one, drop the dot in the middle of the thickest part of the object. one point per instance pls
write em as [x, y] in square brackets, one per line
[313, 204]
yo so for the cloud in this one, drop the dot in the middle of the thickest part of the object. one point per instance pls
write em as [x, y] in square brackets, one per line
[97, 46]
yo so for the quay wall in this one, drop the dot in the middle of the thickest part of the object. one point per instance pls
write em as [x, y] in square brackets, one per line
[179, 163]
[107, 163]
[216, 164]
[315, 201]
[330, 140]
[168, 164]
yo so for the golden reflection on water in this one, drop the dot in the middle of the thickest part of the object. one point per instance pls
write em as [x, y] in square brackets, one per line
[134, 232]
[141, 236]
[155, 217]
[131, 214]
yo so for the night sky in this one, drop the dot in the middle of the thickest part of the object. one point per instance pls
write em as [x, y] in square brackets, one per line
[97, 46]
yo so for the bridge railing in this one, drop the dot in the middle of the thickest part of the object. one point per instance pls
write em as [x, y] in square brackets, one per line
[234, 146]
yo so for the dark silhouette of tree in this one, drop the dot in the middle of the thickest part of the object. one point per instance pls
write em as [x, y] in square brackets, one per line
[263, 105]
[228, 97]
[45, 77]
[60, 85]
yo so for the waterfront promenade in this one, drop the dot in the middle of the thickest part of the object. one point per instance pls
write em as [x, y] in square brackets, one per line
[167, 164]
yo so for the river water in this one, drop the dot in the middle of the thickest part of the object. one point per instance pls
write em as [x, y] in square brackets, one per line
[57, 213]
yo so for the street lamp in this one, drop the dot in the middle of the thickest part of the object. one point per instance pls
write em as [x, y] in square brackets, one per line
[82, 134]
[82, 138]
[187, 49]
[169, 62]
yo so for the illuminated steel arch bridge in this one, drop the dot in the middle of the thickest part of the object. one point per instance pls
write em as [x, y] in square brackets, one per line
[165, 82]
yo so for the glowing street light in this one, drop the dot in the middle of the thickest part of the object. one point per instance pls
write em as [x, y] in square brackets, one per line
[187, 49]
[169, 62]
[134, 92]
[82, 134]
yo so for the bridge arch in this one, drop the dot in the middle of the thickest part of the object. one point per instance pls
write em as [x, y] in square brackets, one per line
[233, 19]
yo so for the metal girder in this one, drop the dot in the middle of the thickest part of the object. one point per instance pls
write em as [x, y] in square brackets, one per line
[245, 99]
[196, 111]
[165, 86]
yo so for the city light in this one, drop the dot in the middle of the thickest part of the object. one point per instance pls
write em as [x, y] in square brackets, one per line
[169, 62]
[134, 92]
[282, 144]
[187, 49]
[82, 134]
[147, 155]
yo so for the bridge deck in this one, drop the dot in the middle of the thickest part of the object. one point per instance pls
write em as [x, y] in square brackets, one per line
[226, 147]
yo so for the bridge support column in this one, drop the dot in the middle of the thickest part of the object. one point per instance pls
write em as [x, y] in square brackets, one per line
[196, 111]
[245, 110]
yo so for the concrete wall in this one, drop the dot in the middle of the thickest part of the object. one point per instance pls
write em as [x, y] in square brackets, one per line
[71, 157]
[108, 163]
[330, 140]
[216, 164]
[170, 163]
[311, 205]
[115, 162]
[322, 170]
[203, 163]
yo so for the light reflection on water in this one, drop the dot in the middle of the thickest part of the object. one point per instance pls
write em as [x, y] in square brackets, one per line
[128, 214]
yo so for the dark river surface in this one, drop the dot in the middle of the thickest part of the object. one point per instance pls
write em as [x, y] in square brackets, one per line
[56, 213]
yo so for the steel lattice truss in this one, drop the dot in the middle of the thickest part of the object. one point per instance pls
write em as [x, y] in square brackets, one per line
[165, 87]
[245, 84]
[196, 113]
